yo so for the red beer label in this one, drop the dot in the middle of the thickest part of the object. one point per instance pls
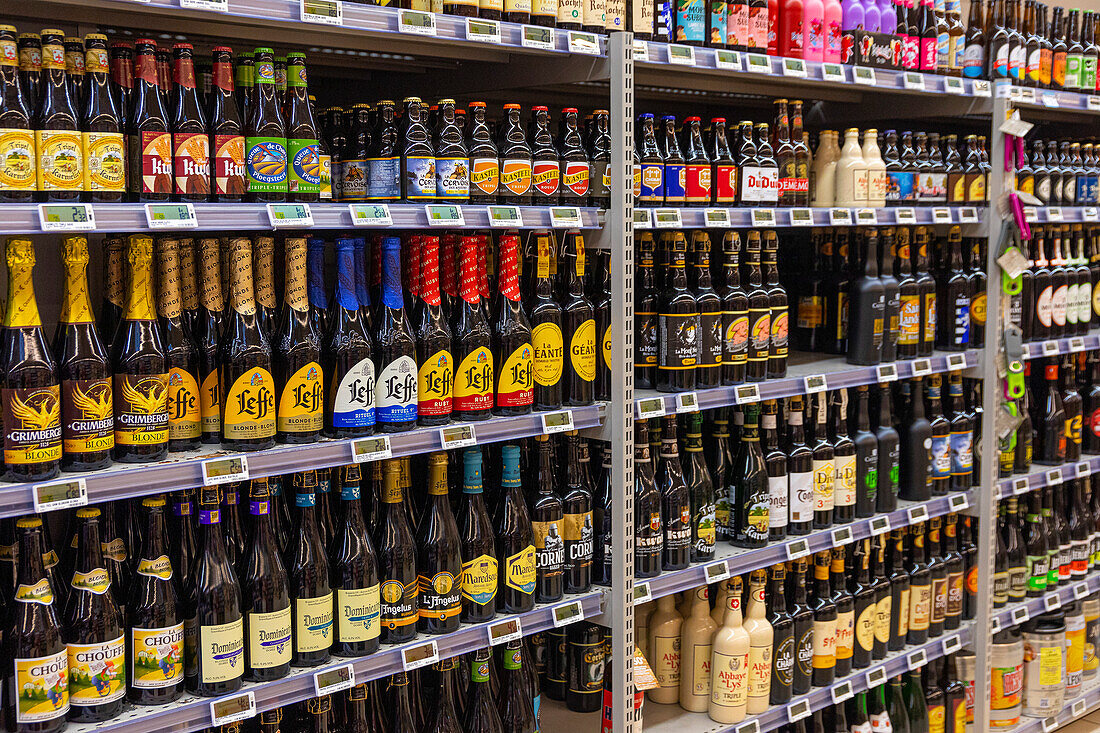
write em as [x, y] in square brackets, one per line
[725, 184]
[546, 176]
[576, 176]
[698, 183]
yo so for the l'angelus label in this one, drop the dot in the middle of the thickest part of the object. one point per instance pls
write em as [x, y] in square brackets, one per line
[440, 596]
[399, 603]
[436, 384]
[157, 656]
[43, 685]
[89, 417]
[250, 406]
[97, 672]
[515, 388]
[358, 613]
[32, 425]
[141, 414]
[473, 388]
[184, 418]
[302, 402]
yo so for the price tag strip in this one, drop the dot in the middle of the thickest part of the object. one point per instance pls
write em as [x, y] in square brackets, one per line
[444, 215]
[650, 408]
[374, 448]
[328, 12]
[567, 613]
[1021, 614]
[216, 471]
[171, 216]
[66, 217]
[956, 362]
[421, 655]
[716, 572]
[876, 677]
[798, 710]
[841, 692]
[666, 219]
[483, 30]
[921, 367]
[1054, 476]
[226, 710]
[802, 217]
[840, 217]
[457, 436]
[370, 215]
[64, 494]
[951, 644]
[504, 631]
[841, 536]
[416, 21]
[332, 680]
[958, 502]
[290, 216]
[557, 422]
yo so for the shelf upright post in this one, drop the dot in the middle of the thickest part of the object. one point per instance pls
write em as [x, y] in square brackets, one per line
[618, 235]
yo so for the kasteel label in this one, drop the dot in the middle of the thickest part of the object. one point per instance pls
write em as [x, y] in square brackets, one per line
[250, 406]
[89, 420]
[302, 402]
[515, 388]
[43, 684]
[97, 672]
[269, 639]
[435, 385]
[473, 386]
[353, 397]
[157, 656]
[484, 176]
[18, 162]
[545, 177]
[32, 425]
[515, 175]
[576, 176]
[104, 164]
[582, 350]
[358, 613]
[184, 419]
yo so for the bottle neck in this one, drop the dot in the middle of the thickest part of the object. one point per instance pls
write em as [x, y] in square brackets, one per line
[469, 286]
[76, 307]
[168, 271]
[345, 277]
[212, 298]
[508, 279]
[265, 273]
[241, 294]
[429, 271]
[315, 272]
[139, 302]
[295, 295]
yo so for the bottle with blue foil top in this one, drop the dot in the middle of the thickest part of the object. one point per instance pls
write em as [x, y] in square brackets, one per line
[315, 284]
[384, 177]
[397, 374]
[652, 163]
[452, 164]
[675, 168]
[362, 291]
[348, 356]
[417, 156]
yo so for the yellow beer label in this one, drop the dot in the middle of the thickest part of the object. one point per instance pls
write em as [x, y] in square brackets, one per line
[865, 628]
[582, 350]
[435, 385]
[88, 412]
[250, 406]
[104, 168]
[313, 623]
[473, 385]
[141, 409]
[18, 169]
[40, 592]
[32, 425]
[882, 620]
[606, 350]
[977, 309]
[519, 570]
[160, 567]
[156, 656]
[440, 596]
[515, 387]
[937, 719]
[399, 603]
[97, 672]
[221, 649]
[358, 614]
[94, 581]
[183, 405]
[60, 160]
[269, 639]
[479, 579]
[302, 403]
[210, 404]
[549, 355]
[43, 685]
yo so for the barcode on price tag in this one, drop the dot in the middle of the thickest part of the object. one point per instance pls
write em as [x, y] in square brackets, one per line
[483, 30]
[746, 393]
[226, 470]
[418, 656]
[537, 36]
[171, 216]
[457, 436]
[716, 571]
[416, 21]
[63, 494]
[650, 408]
[444, 215]
[557, 422]
[716, 218]
[226, 710]
[333, 680]
[66, 217]
[504, 631]
[916, 659]
[842, 536]
[374, 448]
[504, 217]
[567, 613]
[290, 216]
[841, 692]
[565, 217]
[816, 383]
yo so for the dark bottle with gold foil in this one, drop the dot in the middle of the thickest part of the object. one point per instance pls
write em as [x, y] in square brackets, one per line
[114, 287]
[511, 341]
[759, 324]
[439, 556]
[645, 312]
[395, 387]
[348, 355]
[435, 388]
[354, 573]
[296, 343]
[207, 331]
[265, 594]
[479, 562]
[308, 571]
[184, 418]
[263, 270]
[87, 410]
[708, 372]
[735, 313]
[515, 545]
[545, 318]
[777, 306]
[578, 325]
[473, 385]
[396, 561]
[677, 324]
[31, 394]
[248, 390]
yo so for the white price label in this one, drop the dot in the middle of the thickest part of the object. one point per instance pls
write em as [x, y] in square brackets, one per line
[955, 362]
[802, 217]
[951, 644]
[1050, 348]
[840, 217]
[332, 680]
[565, 217]
[1031, 214]
[483, 30]
[567, 613]
[1054, 213]
[875, 677]
[226, 710]
[418, 656]
[794, 67]
[841, 536]
[370, 215]
[216, 471]
[1021, 614]
[290, 216]
[1020, 486]
[457, 436]
[716, 572]
[798, 548]
[584, 43]
[374, 448]
[444, 215]
[687, 402]
[329, 12]
[66, 217]
[217, 6]
[967, 214]
[681, 55]
[171, 216]
[716, 218]
[1078, 708]
[918, 513]
[416, 21]
[866, 217]
[887, 372]
[916, 659]
[641, 50]
[667, 219]
[1050, 99]
[762, 217]
[728, 60]
[864, 75]
[798, 710]
[64, 494]
[1054, 476]
[1080, 590]
[1049, 724]
[758, 63]
[981, 88]
[651, 407]
[833, 72]
[953, 85]
[1090, 213]
[880, 524]
[750, 727]
[557, 422]
[816, 383]
[1052, 602]
[1077, 343]
[504, 217]
[537, 36]
[1093, 102]
[642, 593]
[841, 691]
[1083, 469]
[1027, 95]
[746, 393]
[941, 215]
[643, 218]
[504, 631]
[958, 502]
[913, 80]
[921, 367]
[905, 215]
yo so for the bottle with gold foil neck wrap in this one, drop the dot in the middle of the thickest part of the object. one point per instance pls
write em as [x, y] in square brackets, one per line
[439, 556]
[247, 387]
[297, 356]
[83, 369]
[17, 169]
[396, 561]
[100, 125]
[435, 388]
[473, 385]
[263, 270]
[189, 288]
[578, 325]
[348, 349]
[114, 287]
[207, 330]
[31, 394]
[512, 349]
[184, 417]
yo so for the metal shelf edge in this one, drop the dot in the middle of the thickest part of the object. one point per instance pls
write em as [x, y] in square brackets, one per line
[1064, 594]
[783, 217]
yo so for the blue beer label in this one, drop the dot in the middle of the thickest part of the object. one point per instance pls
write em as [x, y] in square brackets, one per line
[718, 22]
[962, 321]
[305, 166]
[420, 178]
[675, 183]
[304, 500]
[941, 456]
[653, 183]
[452, 179]
[900, 186]
[384, 179]
[962, 454]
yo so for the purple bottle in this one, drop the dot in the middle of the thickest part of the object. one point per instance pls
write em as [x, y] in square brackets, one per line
[888, 18]
[871, 17]
[851, 21]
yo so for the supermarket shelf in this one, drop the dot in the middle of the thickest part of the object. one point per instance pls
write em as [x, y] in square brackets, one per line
[191, 713]
[1054, 347]
[673, 719]
[802, 367]
[24, 218]
[1061, 214]
[1017, 613]
[1086, 701]
[714, 218]
[185, 470]
[1054, 99]
[734, 561]
[1046, 476]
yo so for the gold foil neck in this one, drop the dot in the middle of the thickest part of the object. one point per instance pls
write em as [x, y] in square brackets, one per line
[76, 307]
[139, 305]
[74, 250]
[240, 276]
[115, 282]
[188, 275]
[210, 254]
[168, 268]
[264, 272]
[20, 252]
[22, 311]
[296, 294]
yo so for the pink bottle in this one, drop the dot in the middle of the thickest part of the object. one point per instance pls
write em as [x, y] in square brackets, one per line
[790, 29]
[813, 28]
[833, 17]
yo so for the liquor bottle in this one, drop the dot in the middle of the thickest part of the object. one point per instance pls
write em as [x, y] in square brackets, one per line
[481, 709]
[867, 306]
[700, 487]
[396, 561]
[101, 125]
[750, 512]
[708, 370]
[265, 595]
[920, 588]
[844, 461]
[545, 317]
[395, 387]
[439, 556]
[648, 525]
[442, 714]
[825, 623]
[867, 458]
[184, 418]
[479, 578]
[599, 156]
[577, 527]
[514, 539]
[512, 348]
[308, 574]
[348, 356]
[696, 633]
[729, 666]
[823, 464]
[864, 609]
[1072, 408]
[473, 387]
[799, 459]
[354, 574]
[775, 462]
[652, 162]
[401, 720]
[515, 702]
[214, 609]
[735, 313]
[677, 324]
[675, 501]
[265, 141]
[117, 560]
[916, 450]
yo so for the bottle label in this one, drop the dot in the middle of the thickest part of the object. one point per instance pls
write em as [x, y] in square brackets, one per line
[920, 606]
[578, 540]
[32, 425]
[250, 406]
[436, 382]
[43, 683]
[479, 577]
[941, 456]
[845, 483]
[399, 603]
[229, 168]
[725, 183]
[824, 644]
[519, 570]
[729, 679]
[440, 596]
[678, 334]
[689, 21]
[824, 484]
[104, 164]
[221, 648]
[473, 388]
[160, 567]
[974, 60]
[903, 612]
[88, 416]
[653, 183]
[545, 177]
[865, 628]
[575, 177]
[302, 403]
[515, 388]
[18, 160]
[210, 403]
[845, 634]
[60, 160]
[353, 397]
[184, 421]
[157, 656]
[313, 623]
[376, 179]
[962, 458]
[355, 177]
[358, 613]
[546, 342]
[777, 493]
[569, 11]
[269, 639]
[760, 673]
[452, 178]
[191, 162]
[395, 391]
[266, 164]
[801, 496]
[515, 176]
[305, 166]
[778, 333]
[484, 176]
[666, 658]
[94, 581]
[582, 350]
[675, 183]
[97, 672]
[420, 177]
[326, 177]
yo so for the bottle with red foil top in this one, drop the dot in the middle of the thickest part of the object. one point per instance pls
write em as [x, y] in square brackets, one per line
[723, 166]
[545, 169]
[434, 360]
[698, 185]
[122, 74]
[484, 245]
[149, 139]
[927, 24]
[512, 337]
[790, 28]
[190, 144]
[472, 343]
[575, 169]
[515, 159]
[225, 131]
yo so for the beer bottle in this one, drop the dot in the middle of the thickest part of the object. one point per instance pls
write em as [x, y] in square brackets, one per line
[577, 527]
[354, 574]
[163, 59]
[383, 163]
[479, 563]
[304, 169]
[578, 325]
[122, 76]
[652, 191]
[244, 75]
[208, 326]
[515, 159]
[265, 595]
[452, 164]
[433, 344]
[29, 47]
[60, 164]
[93, 630]
[39, 659]
[709, 368]
[481, 709]
[353, 153]
[484, 161]
[439, 556]
[545, 166]
[396, 561]
[418, 163]
[189, 276]
[226, 131]
[473, 380]
[324, 154]
[348, 352]
[546, 319]
[297, 355]
[395, 387]
[18, 176]
[149, 164]
[511, 337]
[190, 141]
[184, 412]
[675, 167]
[514, 539]
[678, 324]
[100, 125]
[308, 574]
[74, 69]
[575, 169]
[698, 166]
[723, 167]
[547, 521]
[31, 394]
[602, 307]
[83, 370]
[263, 267]
[265, 135]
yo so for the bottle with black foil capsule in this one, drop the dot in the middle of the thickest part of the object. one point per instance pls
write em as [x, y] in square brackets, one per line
[652, 192]
[867, 308]
[439, 556]
[511, 340]
[354, 574]
[514, 539]
[308, 573]
[473, 357]
[677, 324]
[735, 313]
[435, 386]
[515, 159]
[648, 532]
[777, 306]
[348, 355]
[578, 325]
[395, 386]
[479, 562]
[545, 317]
[916, 447]
[418, 174]
[484, 161]
[184, 418]
[393, 540]
[708, 371]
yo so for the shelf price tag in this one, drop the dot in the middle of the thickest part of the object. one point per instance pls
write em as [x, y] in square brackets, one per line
[1050, 348]
[66, 217]
[750, 727]
[537, 36]
[716, 218]
[666, 219]
[641, 50]
[876, 677]
[567, 613]
[1027, 94]
[841, 692]
[802, 217]
[864, 75]
[866, 217]
[337, 679]
[1082, 469]
[483, 30]
[582, 42]
[1080, 590]
[953, 85]
[841, 536]
[798, 548]
[794, 67]
[1078, 708]
[995, 624]
[329, 12]
[1050, 99]
[1054, 476]
[557, 422]
[941, 215]
[416, 21]
[1052, 602]
[716, 572]
[374, 448]
[1021, 614]
[1020, 486]
[758, 63]
[504, 217]
[681, 55]
[65, 494]
[642, 593]
[763, 217]
[955, 362]
[1090, 213]
[504, 631]
[687, 402]
[916, 659]
[1093, 102]
[958, 502]
[833, 72]
[1054, 213]
[967, 214]
[650, 408]
[886, 372]
[171, 216]
[918, 513]
[1031, 213]
[217, 6]
[728, 60]
[840, 217]
[951, 644]
[290, 216]
[921, 367]
[444, 215]
[798, 710]
[421, 655]
[643, 218]
[226, 710]
[216, 471]
[746, 393]
[981, 88]
[1050, 724]
[913, 80]
[880, 524]
[816, 383]
[566, 217]
[370, 215]
[1077, 343]
[457, 436]
[905, 215]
